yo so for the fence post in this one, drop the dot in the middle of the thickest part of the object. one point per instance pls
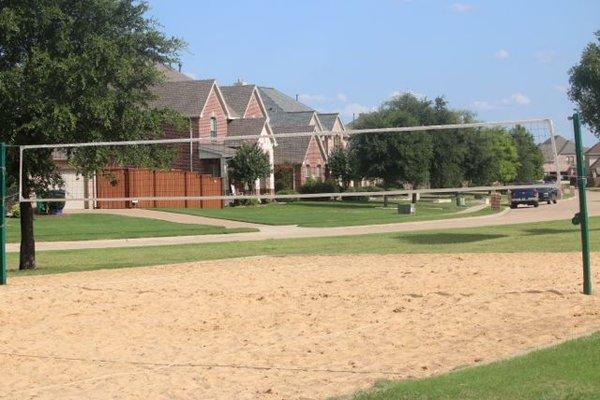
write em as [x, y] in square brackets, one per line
[582, 217]
[3, 214]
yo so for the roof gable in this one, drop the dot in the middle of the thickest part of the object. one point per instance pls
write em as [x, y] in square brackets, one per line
[328, 120]
[237, 98]
[186, 97]
[276, 101]
[594, 150]
[171, 75]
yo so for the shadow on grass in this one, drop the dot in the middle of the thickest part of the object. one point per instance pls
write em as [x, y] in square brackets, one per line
[554, 231]
[449, 238]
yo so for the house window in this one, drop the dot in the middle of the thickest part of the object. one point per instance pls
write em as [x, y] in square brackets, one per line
[318, 171]
[213, 127]
[308, 171]
[337, 141]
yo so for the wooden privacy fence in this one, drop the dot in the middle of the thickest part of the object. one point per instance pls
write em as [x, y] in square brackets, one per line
[135, 182]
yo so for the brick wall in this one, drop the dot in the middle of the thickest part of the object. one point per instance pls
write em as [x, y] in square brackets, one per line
[313, 158]
[254, 110]
[213, 109]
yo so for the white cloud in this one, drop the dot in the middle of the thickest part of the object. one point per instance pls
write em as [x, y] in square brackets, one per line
[341, 97]
[397, 93]
[520, 99]
[354, 110]
[516, 99]
[313, 98]
[483, 105]
[561, 88]
[544, 56]
[461, 8]
[501, 54]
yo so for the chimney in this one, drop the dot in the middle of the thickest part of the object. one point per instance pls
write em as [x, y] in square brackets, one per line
[297, 97]
[179, 67]
[240, 82]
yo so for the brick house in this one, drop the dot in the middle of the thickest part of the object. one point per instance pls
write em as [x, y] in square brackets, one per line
[592, 158]
[565, 149]
[302, 157]
[333, 123]
[218, 113]
[299, 158]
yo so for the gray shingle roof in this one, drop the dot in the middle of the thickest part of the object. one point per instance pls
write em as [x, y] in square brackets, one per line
[171, 75]
[298, 118]
[276, 101]
[209, 151]
[292, 150]
[186, 97]
[594, 150]
[328, 120]
[246, 126]
[237, 98]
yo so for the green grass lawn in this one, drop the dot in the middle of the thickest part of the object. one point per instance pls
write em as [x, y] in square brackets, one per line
[105, 226]
[567, 372]
[328, 213]
[555, 236]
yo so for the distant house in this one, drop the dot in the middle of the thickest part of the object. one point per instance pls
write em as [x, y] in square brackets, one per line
[299, 158]
[592, 158]
[566, 156]
[202, 102]
[307, 155]
[217, 113]
[333, 123]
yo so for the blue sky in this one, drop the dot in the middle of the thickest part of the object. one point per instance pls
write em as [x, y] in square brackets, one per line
[503, 59]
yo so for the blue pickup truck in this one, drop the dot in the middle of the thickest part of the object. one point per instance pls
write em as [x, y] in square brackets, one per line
[533, 196]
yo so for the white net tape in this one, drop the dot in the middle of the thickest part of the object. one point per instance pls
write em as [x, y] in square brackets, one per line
[192, 171]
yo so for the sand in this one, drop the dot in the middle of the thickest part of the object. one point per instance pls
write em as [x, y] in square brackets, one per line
[282, 327]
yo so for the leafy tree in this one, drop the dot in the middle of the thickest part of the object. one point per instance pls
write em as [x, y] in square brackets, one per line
[585, 85]
[530, 157]
[449, 146]
[419, 158]
[491, 157]
[249, 164]
[78, 71]
[394, 157]
[342, 165]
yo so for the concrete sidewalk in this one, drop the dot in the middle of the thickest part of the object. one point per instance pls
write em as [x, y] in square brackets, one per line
[563, 210]
[171, 217]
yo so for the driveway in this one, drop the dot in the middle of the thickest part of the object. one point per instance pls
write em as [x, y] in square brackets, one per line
[563, 210]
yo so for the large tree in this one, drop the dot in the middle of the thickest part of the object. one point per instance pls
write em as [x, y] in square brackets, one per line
[77, 71]
[585, 85]
[491, 157]
[419, 158]
[530, 158]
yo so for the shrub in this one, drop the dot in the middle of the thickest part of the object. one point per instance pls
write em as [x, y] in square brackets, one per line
[15, 210]
[245, 203]
[319, 186]
[287, 192]
[361, 199]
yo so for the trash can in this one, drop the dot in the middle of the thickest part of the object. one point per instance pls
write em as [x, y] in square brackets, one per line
[461, 201]
[406, 209]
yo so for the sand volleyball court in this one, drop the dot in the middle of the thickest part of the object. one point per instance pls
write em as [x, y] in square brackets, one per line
[282, 327]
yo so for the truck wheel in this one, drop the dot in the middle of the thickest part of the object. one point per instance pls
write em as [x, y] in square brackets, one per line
[549, 201]
[536, 204]
[513, 205]
[554, 200]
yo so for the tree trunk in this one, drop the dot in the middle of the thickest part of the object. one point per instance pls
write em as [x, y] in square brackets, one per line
[385, 201]
[27, 254]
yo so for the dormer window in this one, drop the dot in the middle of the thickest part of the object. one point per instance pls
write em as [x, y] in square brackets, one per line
[213, 127]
